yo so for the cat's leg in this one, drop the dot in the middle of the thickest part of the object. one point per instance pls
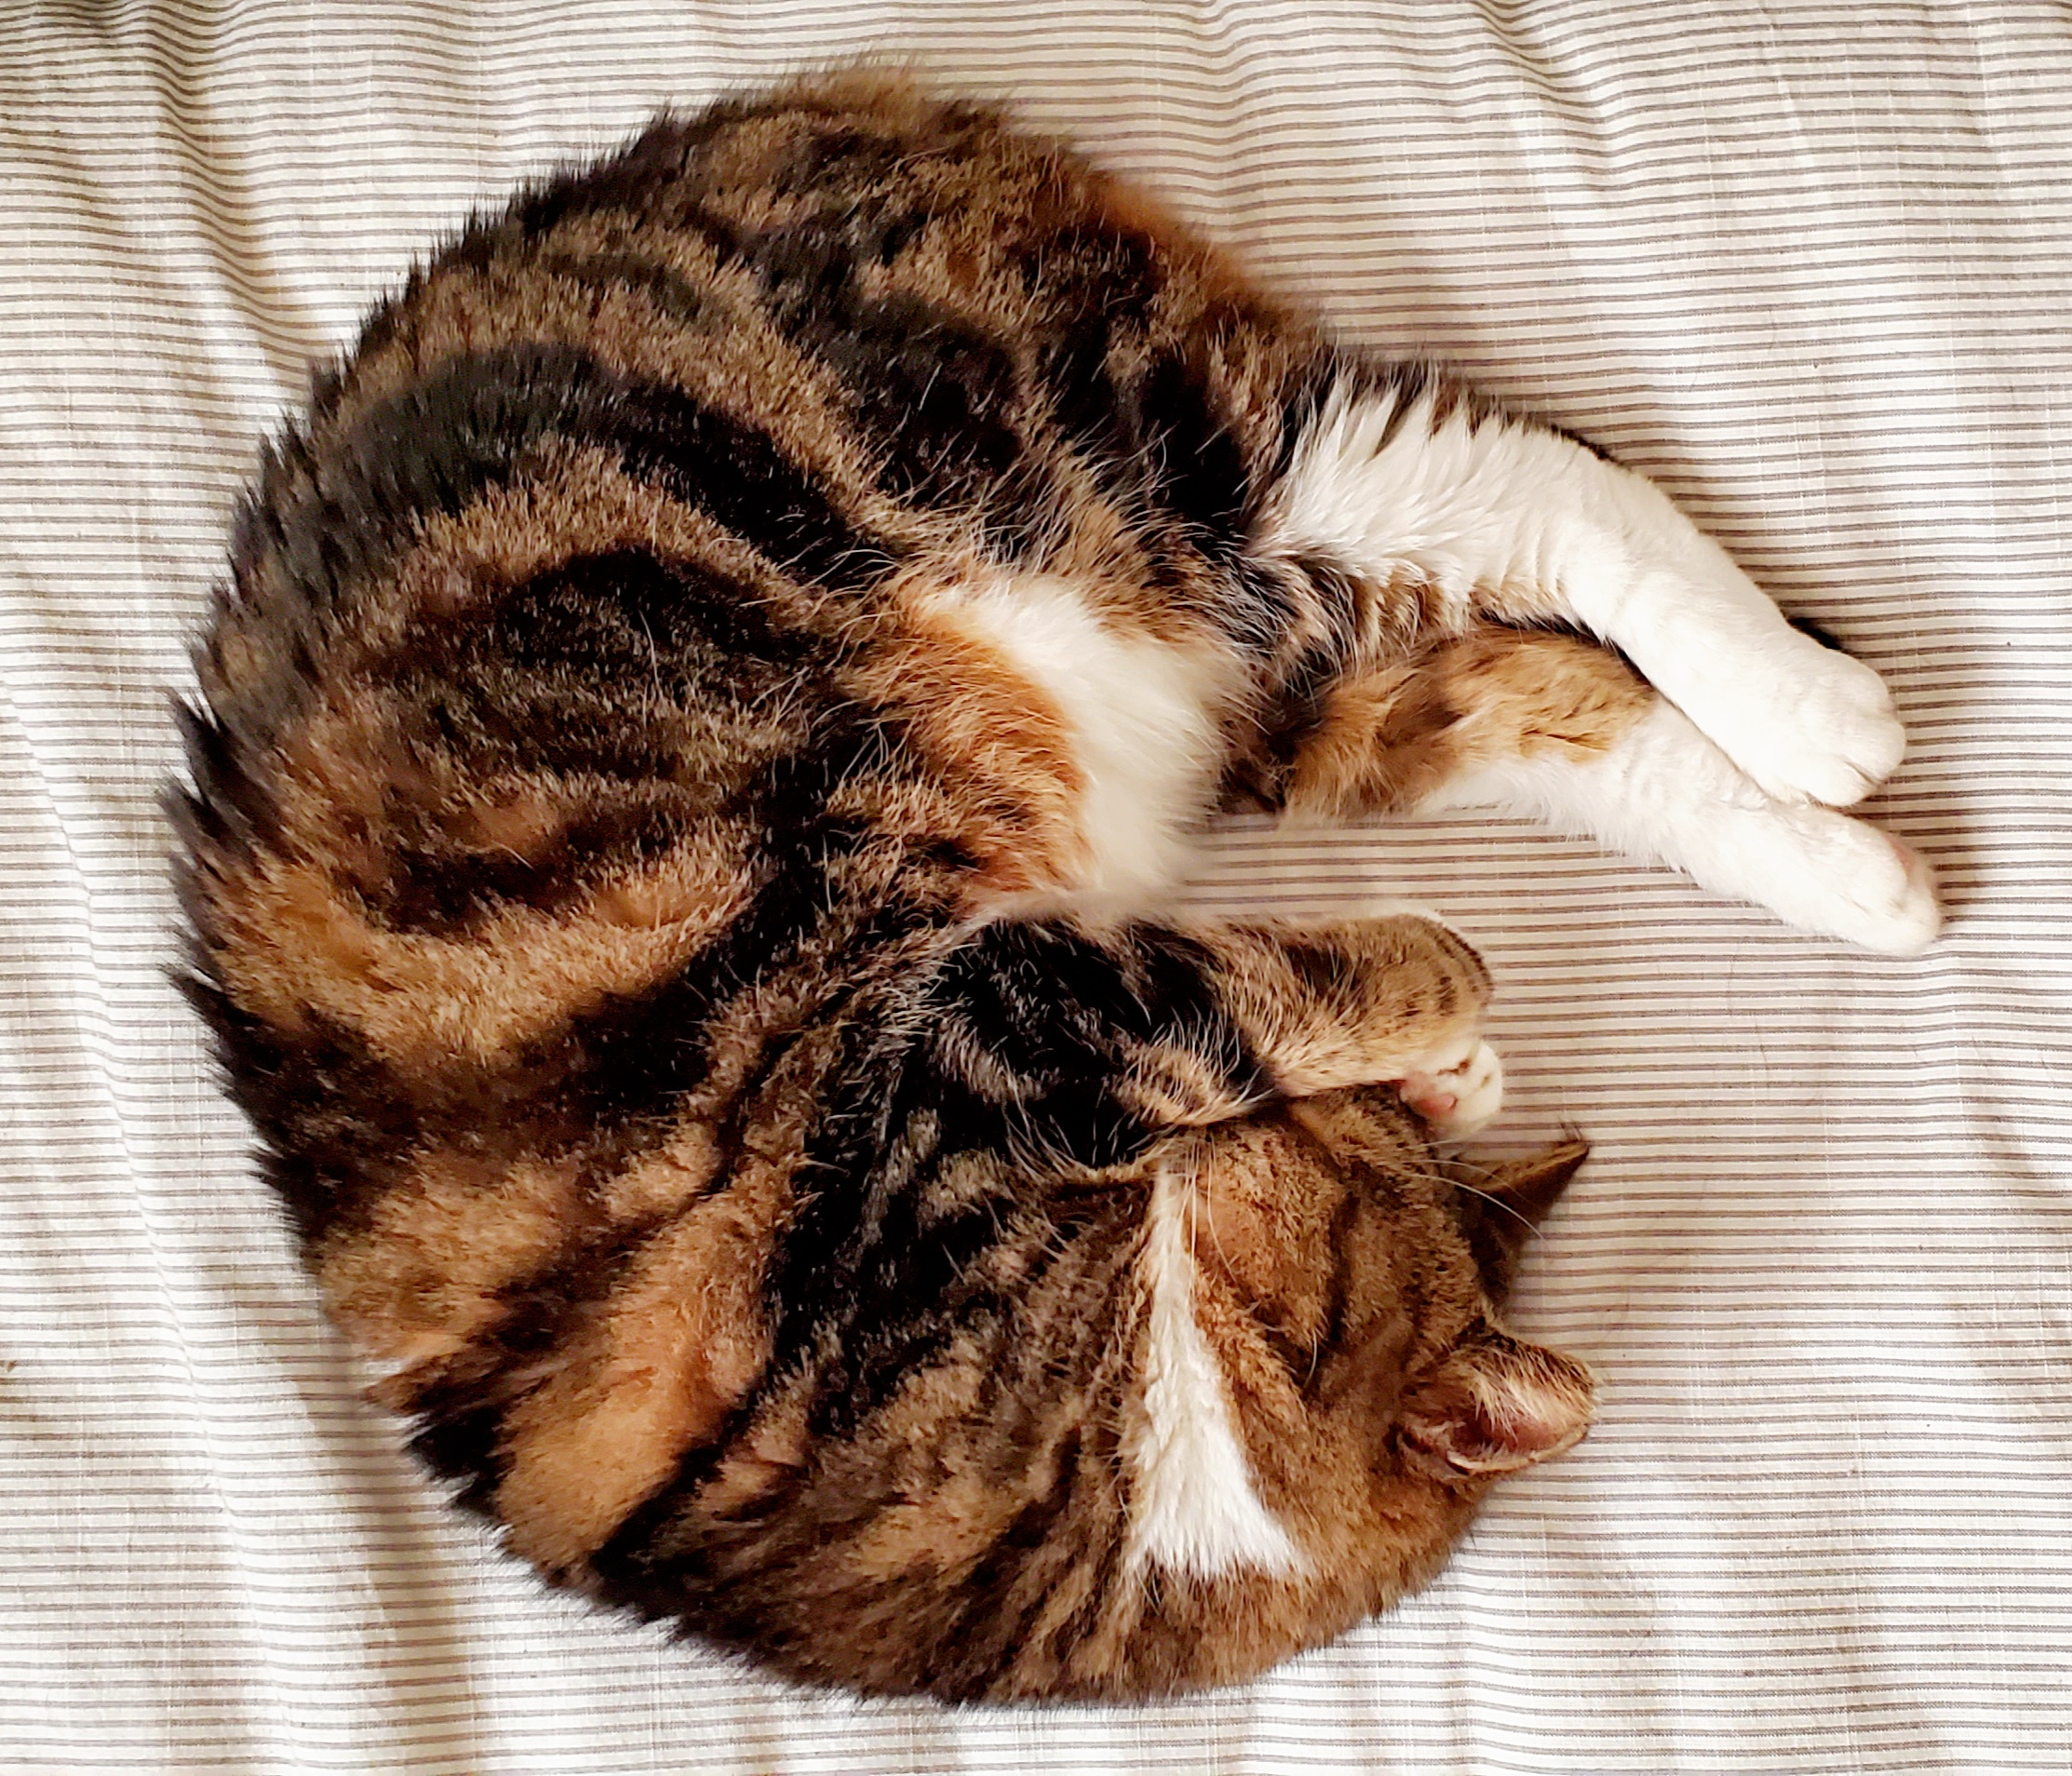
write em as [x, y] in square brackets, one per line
[1391, 996]
[1096, 1044]
[1564, 731]
[1402, 479]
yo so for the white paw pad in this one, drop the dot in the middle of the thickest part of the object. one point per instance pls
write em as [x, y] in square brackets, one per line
[1457, 1098]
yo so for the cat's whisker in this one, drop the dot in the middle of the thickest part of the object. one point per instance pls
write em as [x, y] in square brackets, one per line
[1531, 1227]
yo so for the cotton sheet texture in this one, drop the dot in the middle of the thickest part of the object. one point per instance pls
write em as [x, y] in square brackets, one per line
[1810, 266]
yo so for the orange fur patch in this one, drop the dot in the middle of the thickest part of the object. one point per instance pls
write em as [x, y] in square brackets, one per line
[1389, 737]
[1001, 745]
[294, 945]
[423, 1275]
[652, 1372]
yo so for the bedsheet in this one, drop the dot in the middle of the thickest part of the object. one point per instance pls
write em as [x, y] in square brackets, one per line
[1808, 264]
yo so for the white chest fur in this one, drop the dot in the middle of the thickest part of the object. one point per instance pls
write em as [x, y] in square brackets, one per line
[1144, 718]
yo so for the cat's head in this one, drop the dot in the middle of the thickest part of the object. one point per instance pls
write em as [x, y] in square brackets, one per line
[1349, 1284]
[1411, 1324]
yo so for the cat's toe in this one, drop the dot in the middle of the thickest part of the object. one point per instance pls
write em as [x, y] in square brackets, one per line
[1823, 728]
[1460, 1099]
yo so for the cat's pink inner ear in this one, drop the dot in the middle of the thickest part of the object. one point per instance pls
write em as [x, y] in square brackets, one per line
[1496, 1404]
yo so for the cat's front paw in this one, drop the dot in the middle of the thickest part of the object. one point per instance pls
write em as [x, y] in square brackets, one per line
[1818, 726]
[1457, 1097]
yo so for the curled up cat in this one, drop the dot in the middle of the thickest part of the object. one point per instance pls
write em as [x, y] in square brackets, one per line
[710, 705]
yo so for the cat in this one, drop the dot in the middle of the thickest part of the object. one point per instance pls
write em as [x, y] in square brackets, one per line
[710, 701]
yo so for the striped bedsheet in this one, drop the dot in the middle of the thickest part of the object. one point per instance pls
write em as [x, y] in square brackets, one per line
[1809, 264]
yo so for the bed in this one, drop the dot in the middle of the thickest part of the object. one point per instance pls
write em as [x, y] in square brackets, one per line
[1808, 264]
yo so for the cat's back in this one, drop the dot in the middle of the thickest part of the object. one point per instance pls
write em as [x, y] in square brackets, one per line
[850, 325]
[567, 721]
[650, 545]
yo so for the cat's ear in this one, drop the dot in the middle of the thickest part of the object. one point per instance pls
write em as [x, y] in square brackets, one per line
[1533, 1185]
[1501, 1204]
[1495, 1404]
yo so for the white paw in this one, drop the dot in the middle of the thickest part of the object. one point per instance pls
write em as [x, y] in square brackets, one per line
[1808, 724]
[1456, 1096]
[1846, 880]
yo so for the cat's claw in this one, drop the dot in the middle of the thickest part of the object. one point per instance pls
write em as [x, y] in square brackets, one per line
[1822, 729]
[1457, 1099]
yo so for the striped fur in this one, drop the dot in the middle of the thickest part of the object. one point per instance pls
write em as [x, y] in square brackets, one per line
[708, 699]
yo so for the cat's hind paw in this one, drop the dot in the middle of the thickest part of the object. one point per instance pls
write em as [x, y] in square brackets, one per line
[1843, 878]
[1458, 1100]
[1820, 728]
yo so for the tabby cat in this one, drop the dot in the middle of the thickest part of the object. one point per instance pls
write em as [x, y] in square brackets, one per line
[709, 701]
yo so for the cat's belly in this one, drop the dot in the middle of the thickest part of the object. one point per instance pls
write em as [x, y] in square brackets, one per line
[1144, 722]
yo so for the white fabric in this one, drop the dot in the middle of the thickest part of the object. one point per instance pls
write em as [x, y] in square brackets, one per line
[1810, 264]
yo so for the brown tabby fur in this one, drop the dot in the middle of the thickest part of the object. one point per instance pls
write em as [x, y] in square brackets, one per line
[653, 925]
